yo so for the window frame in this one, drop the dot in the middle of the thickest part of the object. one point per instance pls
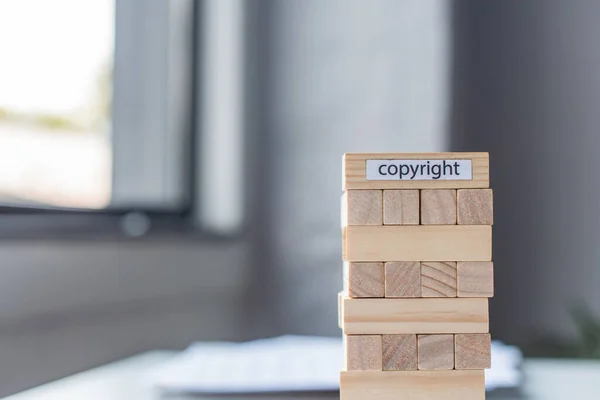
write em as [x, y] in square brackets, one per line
[152, 103]
[157, 71]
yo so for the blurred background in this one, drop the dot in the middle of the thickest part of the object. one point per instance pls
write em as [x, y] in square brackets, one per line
[170, 170]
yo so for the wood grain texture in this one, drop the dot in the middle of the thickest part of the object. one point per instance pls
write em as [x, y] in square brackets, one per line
[417, 243]
[438, 279]
[475, 279]
[354, 171]
[362, 207]
[412, 385]
[399, 352]
[401, 207]
[473, 351]
[475, 207]
[340, 299]
[403, 279]
[438, 207]
[363, 352]
[424, 316]
[364, 279]
[436, 352]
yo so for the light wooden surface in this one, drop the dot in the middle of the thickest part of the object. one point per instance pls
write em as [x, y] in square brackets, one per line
[436, 352]
[364, 279]
[363, 207]
[401, 207]
[402, 279]
[475, 279]
[417, 243]
[438, 207]
[412, 385]
[399, 352]
[398, 316]
[438, 279]
[475, 207]
[354, 171]
[363, 352]
[473, 351]
[340, 298]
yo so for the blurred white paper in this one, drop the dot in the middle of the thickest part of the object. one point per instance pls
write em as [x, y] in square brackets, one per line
[505, 371]
[284, 364]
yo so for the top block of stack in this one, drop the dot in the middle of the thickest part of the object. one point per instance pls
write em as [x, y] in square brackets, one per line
[415, 171]
[417, 207]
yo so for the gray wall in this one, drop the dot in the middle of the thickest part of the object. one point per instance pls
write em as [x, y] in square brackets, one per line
[518, 79]
[341, 77]
[69, 306]
[527, 89]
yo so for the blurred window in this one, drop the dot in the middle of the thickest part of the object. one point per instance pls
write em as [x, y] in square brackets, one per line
[56, 63]
[109, 107]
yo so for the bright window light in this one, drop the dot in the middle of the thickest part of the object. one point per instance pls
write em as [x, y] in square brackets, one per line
[56, 63]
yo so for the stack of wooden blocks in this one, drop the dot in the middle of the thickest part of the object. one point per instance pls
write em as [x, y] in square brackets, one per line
[418, 274]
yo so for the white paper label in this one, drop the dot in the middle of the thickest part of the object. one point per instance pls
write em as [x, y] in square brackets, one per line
[419, 170]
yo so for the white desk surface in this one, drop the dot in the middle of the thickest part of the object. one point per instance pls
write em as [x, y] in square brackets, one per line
[127, 380]
[120, 380]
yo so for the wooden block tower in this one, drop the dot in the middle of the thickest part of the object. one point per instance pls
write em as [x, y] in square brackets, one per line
[418, 272]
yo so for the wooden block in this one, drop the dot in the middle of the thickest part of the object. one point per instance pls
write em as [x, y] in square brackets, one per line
[438, 279]
[404, 316]
[364, 279]
[412, 385]
[436, 352]
[438, 207]
[417, 243]
[340, 309]
[401, 207]
[399, 352]
[475, 207]
[473, 351]
[362, 207]
[402, 279]
[475, 279]
[363, 352]
[354, 166]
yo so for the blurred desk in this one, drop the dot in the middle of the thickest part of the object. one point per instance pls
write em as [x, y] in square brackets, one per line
[127, 380]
